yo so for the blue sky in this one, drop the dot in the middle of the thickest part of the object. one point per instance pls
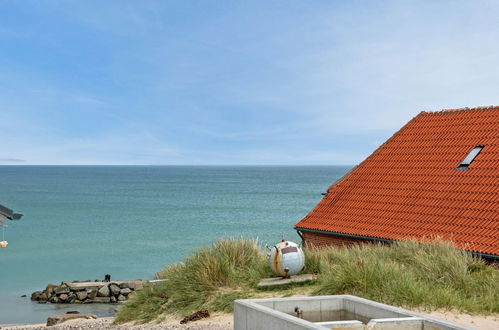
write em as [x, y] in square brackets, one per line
[233, 82]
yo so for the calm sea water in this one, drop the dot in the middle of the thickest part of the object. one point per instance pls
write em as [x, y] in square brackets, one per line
[82, 222]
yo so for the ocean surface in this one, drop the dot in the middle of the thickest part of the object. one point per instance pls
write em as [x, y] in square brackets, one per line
[82, 222]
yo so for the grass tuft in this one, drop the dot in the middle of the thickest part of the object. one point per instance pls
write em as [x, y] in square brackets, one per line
[434, 275]
[428, 275]
[224, 302]
[229, 264]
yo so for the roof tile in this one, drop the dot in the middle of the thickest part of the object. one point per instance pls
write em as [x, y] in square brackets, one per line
[410, 187]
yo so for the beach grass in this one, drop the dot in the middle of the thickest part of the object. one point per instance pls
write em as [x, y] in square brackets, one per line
[212, 278]
[409, 274]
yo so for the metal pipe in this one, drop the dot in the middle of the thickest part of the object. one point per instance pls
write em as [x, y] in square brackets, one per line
[301, 236]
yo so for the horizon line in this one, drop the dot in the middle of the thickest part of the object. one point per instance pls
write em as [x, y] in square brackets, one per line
[165, 165]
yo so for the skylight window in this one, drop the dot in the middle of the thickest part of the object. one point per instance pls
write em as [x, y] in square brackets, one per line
[470, 158]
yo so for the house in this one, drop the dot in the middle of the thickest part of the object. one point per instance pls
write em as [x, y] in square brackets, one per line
[437, 176]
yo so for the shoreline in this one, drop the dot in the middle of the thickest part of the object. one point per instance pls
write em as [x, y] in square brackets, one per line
[222, 321]
[216, 322]
[36, 312]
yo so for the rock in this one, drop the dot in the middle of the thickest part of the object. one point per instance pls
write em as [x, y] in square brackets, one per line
[92, 293]
[103, 292]
[57, 319]
[23, 296]
[71, 297]
[42, 297]
[88, 292]
[50, 289]
[35, 295]
[136, 285]
[61, 289]
[125, 291]
[195, 316]
[81, 295]
[115, 289]
[113, 299]
[101, 300]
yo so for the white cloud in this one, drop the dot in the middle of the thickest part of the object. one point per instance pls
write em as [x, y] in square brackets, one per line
[300, 85]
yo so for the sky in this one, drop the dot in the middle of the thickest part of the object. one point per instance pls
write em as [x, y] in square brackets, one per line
[233, 82]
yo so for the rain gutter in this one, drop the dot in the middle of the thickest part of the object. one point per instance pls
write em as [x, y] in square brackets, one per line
[384, 240]
[332, 233]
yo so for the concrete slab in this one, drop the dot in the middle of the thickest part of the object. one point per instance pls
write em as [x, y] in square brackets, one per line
[276, 281]
[90, 285]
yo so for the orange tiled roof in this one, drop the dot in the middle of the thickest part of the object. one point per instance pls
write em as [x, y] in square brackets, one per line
[410, 187]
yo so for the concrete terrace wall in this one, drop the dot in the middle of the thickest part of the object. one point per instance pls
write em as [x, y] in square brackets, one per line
[249, 316]
[277, 314]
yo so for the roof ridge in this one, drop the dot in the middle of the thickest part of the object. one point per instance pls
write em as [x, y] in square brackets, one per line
[465, 109]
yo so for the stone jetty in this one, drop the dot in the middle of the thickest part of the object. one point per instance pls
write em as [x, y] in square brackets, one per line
[88, 292]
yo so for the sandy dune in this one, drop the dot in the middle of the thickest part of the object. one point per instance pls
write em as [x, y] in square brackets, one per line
[224, 322]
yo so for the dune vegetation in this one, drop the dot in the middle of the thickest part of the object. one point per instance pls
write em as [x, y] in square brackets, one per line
[408, 274]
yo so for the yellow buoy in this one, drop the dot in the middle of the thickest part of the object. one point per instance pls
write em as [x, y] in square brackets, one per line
[3, 244]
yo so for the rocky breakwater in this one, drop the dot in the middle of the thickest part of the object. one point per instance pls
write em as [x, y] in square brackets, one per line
[88, 292]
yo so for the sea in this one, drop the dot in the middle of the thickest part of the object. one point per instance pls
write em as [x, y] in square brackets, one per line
[82, 222]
